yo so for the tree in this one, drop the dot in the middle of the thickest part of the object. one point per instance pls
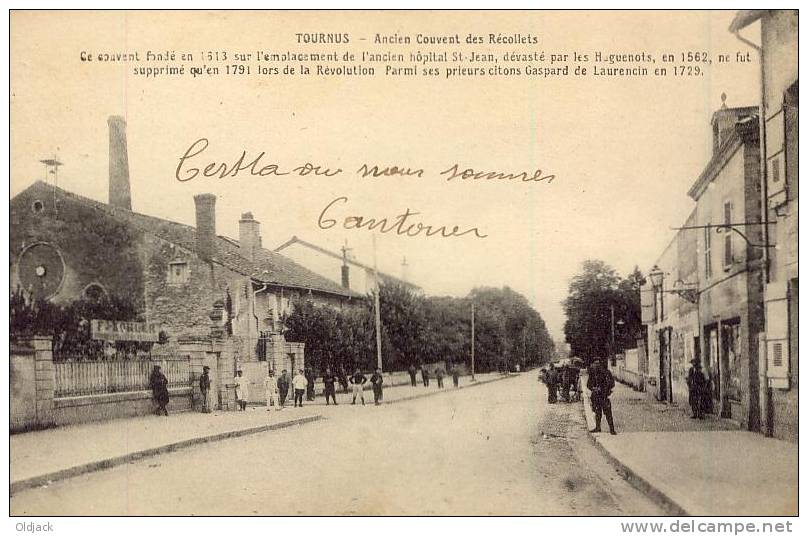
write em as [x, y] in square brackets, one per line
[593, 294]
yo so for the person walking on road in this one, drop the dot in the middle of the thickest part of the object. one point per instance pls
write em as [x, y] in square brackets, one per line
[204, 389]
[310, 385]
[455, 376]
[330, 390]
[241, 390]
[601, 383]
[425, 376]
[358, 381]
[283, 387]
[271, 389]
[376, 381]
[439, 374]
[299, 382]
[564, 373]
[696, 386]
[411, 370]
[159, 387]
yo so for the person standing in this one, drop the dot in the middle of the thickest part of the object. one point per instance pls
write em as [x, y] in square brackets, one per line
[242, 391]
[425, 376]
[552, 384]
[439, 374]
[283, 387]
[271, 389]
[565, 383]
[455, 376]
[329, 381]
[204, 389]
[159, 387]
[376, 381]
[601, 383]
[343, 379]
[358, 381]
[310, 384]
[299, 382]
[696, 386]
[411, 370]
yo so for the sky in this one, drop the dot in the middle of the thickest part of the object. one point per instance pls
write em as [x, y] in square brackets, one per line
[623, 151]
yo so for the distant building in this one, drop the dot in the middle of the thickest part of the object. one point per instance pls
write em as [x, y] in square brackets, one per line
[338, 267]
[778, 38]
[64, 246]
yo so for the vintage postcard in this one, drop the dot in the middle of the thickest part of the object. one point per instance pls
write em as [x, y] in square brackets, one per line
[404, 263]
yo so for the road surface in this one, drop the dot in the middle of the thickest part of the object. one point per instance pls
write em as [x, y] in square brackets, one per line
[490, 449]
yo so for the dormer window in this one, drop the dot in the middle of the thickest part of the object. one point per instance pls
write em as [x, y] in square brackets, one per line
[178, 273]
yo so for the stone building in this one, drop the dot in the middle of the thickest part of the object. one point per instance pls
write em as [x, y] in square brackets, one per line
[774, 36]
[730, 269]
[708, 293]
[187, 279]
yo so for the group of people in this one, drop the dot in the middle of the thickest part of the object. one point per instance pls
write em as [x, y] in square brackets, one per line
[600, 384]
[563, 380]
[440, 374]
[277, 390]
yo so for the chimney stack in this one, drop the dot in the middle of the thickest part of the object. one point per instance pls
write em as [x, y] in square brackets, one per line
[120, 195]
[205, 225]
[249, 235]
[346, 281]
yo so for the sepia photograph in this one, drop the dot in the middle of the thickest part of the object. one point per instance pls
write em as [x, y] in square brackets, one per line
[405, 263]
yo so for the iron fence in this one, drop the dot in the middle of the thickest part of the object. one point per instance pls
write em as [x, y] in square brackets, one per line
[79, 378]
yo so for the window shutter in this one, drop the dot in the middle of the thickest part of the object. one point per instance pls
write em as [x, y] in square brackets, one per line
[728, 259]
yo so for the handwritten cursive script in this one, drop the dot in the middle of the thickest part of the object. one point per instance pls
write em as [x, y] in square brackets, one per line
[400, 224]
[255, 167]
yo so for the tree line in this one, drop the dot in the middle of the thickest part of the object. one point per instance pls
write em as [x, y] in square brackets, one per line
[417, 329]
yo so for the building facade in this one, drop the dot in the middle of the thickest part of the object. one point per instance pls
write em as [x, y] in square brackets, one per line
[708, 294]
[774, 35]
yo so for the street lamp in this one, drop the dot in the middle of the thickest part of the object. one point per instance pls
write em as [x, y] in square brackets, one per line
[656, 275]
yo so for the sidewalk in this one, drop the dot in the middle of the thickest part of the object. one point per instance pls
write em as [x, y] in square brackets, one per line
[697, 467]
[41, 457]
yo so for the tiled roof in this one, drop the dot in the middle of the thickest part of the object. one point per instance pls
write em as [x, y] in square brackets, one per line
[324, 251]
[269, 267]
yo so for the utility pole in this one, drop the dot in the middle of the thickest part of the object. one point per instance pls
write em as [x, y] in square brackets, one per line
[472, 341]
[611, 324]
[377, 312]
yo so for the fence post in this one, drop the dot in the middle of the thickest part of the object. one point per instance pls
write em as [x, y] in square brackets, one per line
[197, 350]
[44, 374]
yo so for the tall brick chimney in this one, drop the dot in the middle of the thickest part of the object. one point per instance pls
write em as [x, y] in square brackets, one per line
[120, 195]
[205, 225]
[346, 280]
[249, 235]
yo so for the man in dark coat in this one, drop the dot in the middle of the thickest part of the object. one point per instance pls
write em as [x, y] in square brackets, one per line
[283, 386]
[565, 383]
[696, 386]
[411, 370]
[455, 376]
[425, 376]
[204, 388]
[310, 386]
[376, 381]
[329, 381]
[551, 380]
[159, 387]
[601, 383]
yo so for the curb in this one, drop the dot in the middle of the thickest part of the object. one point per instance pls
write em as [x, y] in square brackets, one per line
[108, 463]
[636, 481]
